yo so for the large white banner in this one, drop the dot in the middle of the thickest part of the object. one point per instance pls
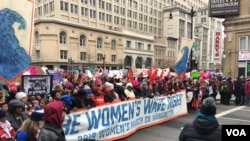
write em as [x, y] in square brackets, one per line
[116, 121]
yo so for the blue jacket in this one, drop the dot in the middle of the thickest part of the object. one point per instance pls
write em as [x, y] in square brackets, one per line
[21, 136]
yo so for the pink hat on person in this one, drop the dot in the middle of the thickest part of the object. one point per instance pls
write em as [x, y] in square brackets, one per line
[68, 84]
[98, 81]
[13, 88]
[135, 83]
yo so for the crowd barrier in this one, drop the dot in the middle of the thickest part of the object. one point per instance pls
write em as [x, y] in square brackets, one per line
[119, 120]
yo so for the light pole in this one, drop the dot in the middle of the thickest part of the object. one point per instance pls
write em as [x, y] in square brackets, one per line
[192, 12]
[103, 59]
[70, 60]
[191, 53]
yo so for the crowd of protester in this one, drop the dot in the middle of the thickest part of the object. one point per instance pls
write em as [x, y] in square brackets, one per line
[32, 117]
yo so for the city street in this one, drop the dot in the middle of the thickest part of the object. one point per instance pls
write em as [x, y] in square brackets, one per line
[169, 131]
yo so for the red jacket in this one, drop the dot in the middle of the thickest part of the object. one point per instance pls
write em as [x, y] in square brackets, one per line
[3, 135]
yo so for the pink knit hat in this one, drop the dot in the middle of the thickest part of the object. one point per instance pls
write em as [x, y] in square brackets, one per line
[13, 88]
[135, 83]
[98, 81]
[68, 84]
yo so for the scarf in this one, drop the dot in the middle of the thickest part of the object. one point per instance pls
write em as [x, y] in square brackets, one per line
[206, 117]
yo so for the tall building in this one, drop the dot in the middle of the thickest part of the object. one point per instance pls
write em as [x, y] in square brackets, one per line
[107, 33]
[236, 54]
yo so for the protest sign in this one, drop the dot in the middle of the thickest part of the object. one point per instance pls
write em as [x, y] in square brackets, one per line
[37, 84]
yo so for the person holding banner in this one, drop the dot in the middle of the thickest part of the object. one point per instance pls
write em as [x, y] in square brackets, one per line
[129, 92]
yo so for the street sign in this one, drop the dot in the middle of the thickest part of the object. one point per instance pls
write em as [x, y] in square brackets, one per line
[195, 46]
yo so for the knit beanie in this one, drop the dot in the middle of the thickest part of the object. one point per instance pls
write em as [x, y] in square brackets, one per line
[66, 99]
[2, 113]
[208, 107]
[87, 89]
[109, 86]
[135, 83]
[37, 114]
[13, 88]
[98, 81]
[20, 95]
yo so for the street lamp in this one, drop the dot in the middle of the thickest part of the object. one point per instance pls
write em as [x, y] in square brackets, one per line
[191, 53]
[192, 12]
[103, 59]
[70, 60]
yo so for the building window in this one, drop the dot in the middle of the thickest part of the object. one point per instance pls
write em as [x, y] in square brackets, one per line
[139, 46]
[92, 14]
[99, 57]
[92, 2]
[73, 8]
[116, 20]
[84, 1]
[64, 6]
[123, 22]
[82, 41]
[37, 38]
[63, 37]
[128, 44]
[145, 28]
[99, 43]
[134, 25]
[108, 6]
[46, 8]
[113, 58]
[52, 6]
[182, 28]
[129, 23]
[149, 47]
[129, 13]
[244, 43]
[116, 9]
[189, 32]
[108, 18]
[101, 4]
[84, 11]
[38, 54]
[113, 45]
[140, 26]
[101, 16]
[63, 54]
[83, 56]
[40, 11]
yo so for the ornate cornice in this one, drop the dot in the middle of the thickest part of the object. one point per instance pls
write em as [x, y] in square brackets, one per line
[68, 23]
[236, 21]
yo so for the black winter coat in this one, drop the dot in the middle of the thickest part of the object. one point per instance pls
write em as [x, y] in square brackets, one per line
[201, 130]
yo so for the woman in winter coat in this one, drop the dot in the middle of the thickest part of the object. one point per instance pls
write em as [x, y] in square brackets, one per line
[205, 126]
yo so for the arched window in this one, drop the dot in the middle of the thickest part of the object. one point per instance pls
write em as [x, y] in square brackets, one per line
[113, 45]
[82, 41]
[37, 38]
[99, 43]
[63, 37]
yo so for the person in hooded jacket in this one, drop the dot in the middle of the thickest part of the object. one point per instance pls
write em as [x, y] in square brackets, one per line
[205, 126]
[52, 129]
